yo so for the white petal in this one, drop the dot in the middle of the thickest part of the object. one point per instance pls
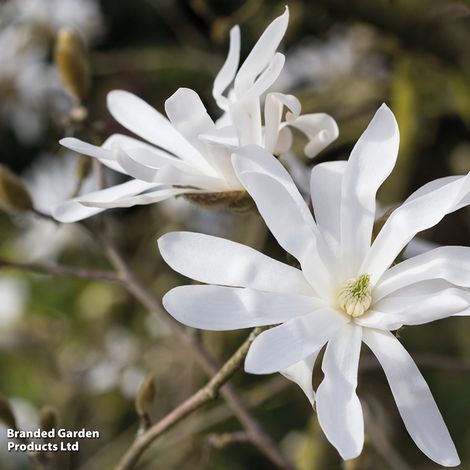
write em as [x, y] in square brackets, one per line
[139, 117]
[451, 263]
[105, 155]
[160, 194]
[419, 213]
[276, 349]
[134, 168]
[188, 115]
[320, 129]
[273, 108]
[156, 158]
[284, 211]
[228, 308]
[391, 313]
[414, 400]
[224, 136]
[371, 161]
[246, 117]
[325, 188]
[87, 149]
[261, 54]
[214, 260]
[301, 373]
[229, 69]
[126, 142]
[173, 176]
[338, 407]
[267, 77]
[73, 210]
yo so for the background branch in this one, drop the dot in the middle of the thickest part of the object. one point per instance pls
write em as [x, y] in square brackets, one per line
[204, 395]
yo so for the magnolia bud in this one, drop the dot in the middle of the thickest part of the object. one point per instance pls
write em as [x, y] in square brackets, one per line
[14, 196]
[145, 397]
[48, 418]
[6, 414]
[72, 63]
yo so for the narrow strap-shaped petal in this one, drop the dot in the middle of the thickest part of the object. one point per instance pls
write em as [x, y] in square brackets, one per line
[245, 115]
[392, 313]
[451, 263]
[105, 155]
[267, 77]
[320, 128]
[284, 211]
[325, 188]
[219, 308]
[338, 407]
[73, 211]
[273, 107]
[280, 347]
[414, 399]
[159, 194]
[371, 161]
[214, 260]
[188, 115]
[261, 54]
[229, 69]
[301, 373]
[411, 217]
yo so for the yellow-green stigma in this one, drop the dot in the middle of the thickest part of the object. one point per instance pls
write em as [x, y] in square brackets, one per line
[356, 296]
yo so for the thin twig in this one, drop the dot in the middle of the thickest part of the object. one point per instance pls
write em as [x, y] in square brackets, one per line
[219, 441]
[204, 395]
[61, 270]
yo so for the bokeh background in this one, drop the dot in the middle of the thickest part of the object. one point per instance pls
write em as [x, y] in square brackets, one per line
[84, 347]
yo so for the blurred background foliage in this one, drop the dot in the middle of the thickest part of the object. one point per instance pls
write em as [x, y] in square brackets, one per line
[84, 347]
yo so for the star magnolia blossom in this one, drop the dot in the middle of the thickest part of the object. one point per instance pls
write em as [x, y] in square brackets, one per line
[346, 292]
[190, 153]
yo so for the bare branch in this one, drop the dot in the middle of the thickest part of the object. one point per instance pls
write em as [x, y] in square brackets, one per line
[219, 441]
[201, 397]
[61, 270]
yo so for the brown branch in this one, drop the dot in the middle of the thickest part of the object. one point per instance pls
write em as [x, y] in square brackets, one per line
[61, 270]
[262, 441]
[219, 441]
[204, 395]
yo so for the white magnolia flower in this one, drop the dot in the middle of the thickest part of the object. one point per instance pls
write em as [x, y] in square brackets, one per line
[347, 290]
[189, 153]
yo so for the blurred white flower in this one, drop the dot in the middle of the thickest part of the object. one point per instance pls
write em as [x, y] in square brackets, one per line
[26, 83]
[14, 295]
[347, 290]
[193, 154]
[326, 63]
[51, 15]
[50, 181]
[116, 366]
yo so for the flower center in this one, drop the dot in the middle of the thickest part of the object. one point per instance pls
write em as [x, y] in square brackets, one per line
[356, 296]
